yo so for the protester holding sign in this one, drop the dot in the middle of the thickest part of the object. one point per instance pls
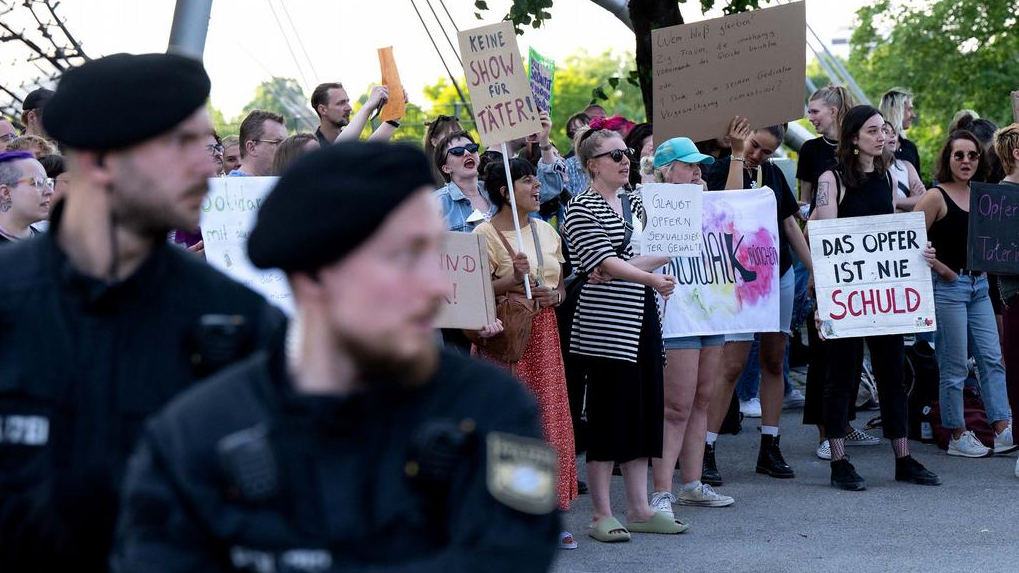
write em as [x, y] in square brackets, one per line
[617, 335]
[1006, 146]
[964, 314]
[464, 201]
[749, 168]
[691, 368]
[540, 367]
[860, 186]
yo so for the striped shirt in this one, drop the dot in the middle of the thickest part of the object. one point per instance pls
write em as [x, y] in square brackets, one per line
[609, 316]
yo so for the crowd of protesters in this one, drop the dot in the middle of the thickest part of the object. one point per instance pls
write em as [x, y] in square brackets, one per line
[604, 379]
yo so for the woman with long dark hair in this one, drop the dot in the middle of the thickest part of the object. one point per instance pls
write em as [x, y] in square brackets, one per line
[859, 186]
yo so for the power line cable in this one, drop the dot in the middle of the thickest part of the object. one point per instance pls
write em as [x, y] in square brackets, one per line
[456, 86]
[287, 41]
[443, 29]
[300, 42]
[450, 16]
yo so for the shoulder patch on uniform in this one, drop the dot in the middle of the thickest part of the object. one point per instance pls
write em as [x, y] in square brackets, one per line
[521, 473]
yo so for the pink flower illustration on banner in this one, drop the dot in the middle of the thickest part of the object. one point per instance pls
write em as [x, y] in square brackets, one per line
[757, 253]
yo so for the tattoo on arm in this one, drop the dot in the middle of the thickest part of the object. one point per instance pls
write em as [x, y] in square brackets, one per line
[822, 194]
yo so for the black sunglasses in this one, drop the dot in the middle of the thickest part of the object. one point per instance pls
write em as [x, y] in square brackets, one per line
[960, 155]
[461, 149]
[617, 155]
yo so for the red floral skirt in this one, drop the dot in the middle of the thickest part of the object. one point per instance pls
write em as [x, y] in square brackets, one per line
[542, 372]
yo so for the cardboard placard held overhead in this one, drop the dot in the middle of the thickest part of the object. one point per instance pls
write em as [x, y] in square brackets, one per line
[751, 64]
[1015, 106]
[870, 275]
[542, 74]
[993, 229]
[396, 107]
[504, 107]
[471, 305]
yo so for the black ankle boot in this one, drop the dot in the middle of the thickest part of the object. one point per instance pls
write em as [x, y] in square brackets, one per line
[908, 469]
[770, 460]
[709, 474]
[844, 476]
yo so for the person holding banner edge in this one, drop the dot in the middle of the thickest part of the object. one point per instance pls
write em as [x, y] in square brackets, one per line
[692, 363]
[540, 367]
[616, 334]
[749, 168]
[860, 185]
[964, 314]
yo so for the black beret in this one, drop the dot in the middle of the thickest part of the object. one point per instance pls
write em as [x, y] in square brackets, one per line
[124, 99]
[332, 200]
[36, 99]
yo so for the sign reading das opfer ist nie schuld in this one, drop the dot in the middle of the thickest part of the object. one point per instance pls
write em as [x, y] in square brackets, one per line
[751, 64]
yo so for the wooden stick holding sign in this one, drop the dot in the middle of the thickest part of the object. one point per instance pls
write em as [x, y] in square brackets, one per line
[396, 105]
[501, 96]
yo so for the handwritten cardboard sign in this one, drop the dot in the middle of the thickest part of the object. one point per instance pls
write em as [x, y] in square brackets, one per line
[751, 64]
[504, 108]
[870, 275]
[732, 286]
[471, 304]
[673, 219]
[993, 229]
[542, 75]
[396, 106]
[227, 218]
[1015, 106]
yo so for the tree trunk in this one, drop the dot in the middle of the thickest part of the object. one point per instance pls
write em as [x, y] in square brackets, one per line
[648, 15]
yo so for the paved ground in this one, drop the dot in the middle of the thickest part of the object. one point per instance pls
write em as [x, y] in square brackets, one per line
[971, 523]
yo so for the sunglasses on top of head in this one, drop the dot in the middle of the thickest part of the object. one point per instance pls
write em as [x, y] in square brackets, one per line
[617, 155]
[461, 149]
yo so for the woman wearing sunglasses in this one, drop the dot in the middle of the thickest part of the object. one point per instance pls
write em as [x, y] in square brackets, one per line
[749, 168]
[964, 314]
[616, 337]
[438, 129]
[464, 202]
[25, 195]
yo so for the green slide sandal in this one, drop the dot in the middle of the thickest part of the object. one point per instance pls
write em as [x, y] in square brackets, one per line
[609, 530]
[660, 523]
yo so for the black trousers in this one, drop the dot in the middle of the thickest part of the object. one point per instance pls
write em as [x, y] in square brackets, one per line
[887, 355]
[817, 374]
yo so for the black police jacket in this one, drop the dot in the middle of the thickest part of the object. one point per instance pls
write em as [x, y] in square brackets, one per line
[447, 476]
[82, 365]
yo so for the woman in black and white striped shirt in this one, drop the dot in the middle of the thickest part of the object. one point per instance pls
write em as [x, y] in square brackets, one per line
[617, 337]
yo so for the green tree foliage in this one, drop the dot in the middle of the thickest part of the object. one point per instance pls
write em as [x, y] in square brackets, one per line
[952, 54]
[283, 96]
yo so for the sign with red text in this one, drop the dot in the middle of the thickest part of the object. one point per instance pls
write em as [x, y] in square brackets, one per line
[993, 228]
[751, 64]
[870, 275]
[471, 301]
[227, 218]
[504, 108]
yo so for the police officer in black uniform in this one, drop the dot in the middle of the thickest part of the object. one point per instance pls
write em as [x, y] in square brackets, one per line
[365, 448]
[101, 321]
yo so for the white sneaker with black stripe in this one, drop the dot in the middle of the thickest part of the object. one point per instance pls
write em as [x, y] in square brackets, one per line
[703, 496]
[861, 438]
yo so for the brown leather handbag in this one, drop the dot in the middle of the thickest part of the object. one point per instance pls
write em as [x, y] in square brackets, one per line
[516, 313]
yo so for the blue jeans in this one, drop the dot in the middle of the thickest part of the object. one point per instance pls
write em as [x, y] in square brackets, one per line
[966, 323]
[750, 380]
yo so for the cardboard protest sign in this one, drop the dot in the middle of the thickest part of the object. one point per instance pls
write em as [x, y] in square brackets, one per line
[471, 305]
[733, 285]
[542, 75]
[396, 106]
[504, 108]
[750, 64]
[870, 275]
[1015, 106]
[993, 229]
[227, 218]
[673, 219]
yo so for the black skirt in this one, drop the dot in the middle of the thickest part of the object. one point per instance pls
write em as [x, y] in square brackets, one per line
[625, 400]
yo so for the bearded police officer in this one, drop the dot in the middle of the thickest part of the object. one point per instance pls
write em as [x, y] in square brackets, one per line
[101, 321]
[366, 448]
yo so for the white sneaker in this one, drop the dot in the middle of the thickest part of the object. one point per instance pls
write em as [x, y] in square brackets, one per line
[967, 446]
[1003, 441]
[751, 408]
[703, 496]
[662, 501]
[861, 438]
[793, 400]
[824, 450]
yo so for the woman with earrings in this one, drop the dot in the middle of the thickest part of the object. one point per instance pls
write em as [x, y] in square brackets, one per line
[540, 367]
[964, 314]
[860, 185]
[749, 168]
[616, 336]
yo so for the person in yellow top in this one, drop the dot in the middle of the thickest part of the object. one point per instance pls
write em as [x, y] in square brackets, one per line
[540, 367]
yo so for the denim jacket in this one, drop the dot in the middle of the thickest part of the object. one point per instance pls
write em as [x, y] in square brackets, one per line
[456, 207]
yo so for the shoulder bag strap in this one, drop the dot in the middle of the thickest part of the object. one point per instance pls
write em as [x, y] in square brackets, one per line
[624, 203]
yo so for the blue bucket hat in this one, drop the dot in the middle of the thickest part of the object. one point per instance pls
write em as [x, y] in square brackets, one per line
[680, 149]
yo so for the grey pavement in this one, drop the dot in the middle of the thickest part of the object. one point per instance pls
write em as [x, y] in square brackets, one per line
[970, 523]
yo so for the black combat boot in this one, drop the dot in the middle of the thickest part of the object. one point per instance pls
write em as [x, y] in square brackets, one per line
[770, 460]
[709, 474]
[844, 476]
